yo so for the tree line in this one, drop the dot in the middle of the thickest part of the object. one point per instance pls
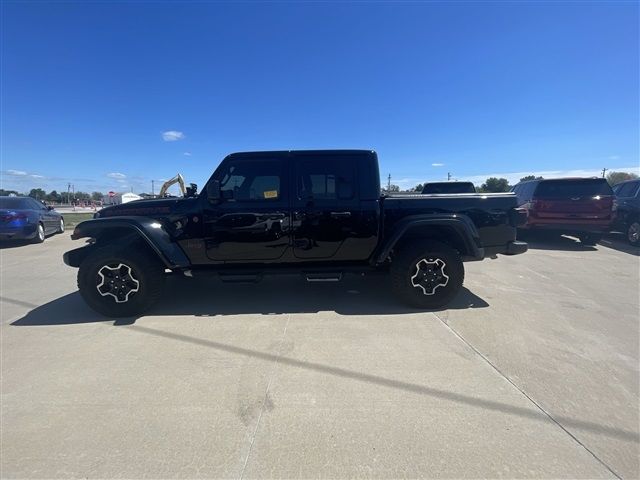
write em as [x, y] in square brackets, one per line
[56, 197]
[497, 185]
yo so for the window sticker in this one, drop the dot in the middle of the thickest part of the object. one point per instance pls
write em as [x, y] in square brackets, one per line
[271, 194]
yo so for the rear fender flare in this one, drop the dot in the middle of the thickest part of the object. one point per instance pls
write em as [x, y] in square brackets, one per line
[460, 225]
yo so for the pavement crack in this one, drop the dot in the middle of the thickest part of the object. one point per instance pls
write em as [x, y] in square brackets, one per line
[266, 402]
[536, 404]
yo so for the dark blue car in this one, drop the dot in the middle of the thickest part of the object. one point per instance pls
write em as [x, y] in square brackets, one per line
[24, 218]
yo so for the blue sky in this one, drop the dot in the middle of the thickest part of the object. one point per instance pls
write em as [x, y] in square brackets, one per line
[88, 89]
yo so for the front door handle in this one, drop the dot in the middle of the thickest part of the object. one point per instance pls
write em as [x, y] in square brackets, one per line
[340, 214]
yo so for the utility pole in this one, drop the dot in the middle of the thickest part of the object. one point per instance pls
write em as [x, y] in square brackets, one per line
[448, 176]
[68, 189]
[389, 184]
[153, 193]
[604, 171]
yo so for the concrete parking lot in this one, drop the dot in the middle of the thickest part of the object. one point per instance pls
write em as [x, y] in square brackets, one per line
[532, 372]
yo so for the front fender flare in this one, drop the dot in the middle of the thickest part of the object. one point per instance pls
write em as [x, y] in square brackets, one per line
[148, 229]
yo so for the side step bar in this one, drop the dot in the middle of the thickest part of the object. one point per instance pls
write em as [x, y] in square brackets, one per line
[240, 277]
[323, 276]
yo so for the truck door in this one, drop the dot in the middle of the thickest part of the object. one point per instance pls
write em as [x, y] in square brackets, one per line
[325, 207]
[251, 222]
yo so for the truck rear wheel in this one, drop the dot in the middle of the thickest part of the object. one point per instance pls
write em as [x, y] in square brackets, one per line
[120, 283]
[427, 275]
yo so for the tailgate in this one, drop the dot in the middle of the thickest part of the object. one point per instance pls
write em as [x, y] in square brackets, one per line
[587, 207]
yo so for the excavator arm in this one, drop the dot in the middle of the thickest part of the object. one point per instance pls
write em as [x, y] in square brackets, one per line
[177, 179]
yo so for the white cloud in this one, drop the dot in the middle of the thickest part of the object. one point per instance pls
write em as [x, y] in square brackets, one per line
[187, 154]
[172, 136]
[614, 157]
[36, 176]
[116, 175]
[16, 173]
[437, 164]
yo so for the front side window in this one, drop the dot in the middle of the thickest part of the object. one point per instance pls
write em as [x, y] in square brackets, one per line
[251, 180]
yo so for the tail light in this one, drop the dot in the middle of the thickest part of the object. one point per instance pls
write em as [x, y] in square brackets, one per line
[11, 216]
[614, 205]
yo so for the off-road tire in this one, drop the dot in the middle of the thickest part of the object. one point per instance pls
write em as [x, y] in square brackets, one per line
[40, 234]
[144, 267]
[633, 226]
[404, 266]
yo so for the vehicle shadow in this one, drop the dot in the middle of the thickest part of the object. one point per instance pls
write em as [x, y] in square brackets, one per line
[555, 242]
[618, 241]
[207, 297]
[5, 244]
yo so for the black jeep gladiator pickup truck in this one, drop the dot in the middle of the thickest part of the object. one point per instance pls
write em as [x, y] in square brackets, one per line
[315, 213]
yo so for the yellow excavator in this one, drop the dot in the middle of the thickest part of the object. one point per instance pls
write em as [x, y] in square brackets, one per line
[189, 191]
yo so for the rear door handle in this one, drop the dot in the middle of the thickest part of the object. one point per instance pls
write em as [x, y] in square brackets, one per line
[340, 214]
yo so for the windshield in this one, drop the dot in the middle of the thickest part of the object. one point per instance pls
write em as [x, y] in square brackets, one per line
[573, 188]
[449, 187]
[13, 202]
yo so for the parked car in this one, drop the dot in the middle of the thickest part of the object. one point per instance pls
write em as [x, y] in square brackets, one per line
[449, 187]
[24, 218]
[584, 207]
[318, 214]
[628, 215]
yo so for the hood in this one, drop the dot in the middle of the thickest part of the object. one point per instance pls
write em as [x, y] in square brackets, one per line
[145, 207]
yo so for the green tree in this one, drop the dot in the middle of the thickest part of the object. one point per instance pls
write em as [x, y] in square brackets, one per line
[96, 196]
[616, 177]
[53, 196]
[82, 196]
[494, 184]
[5, 193]
[530, 177]
[418, 188]
[38, 194]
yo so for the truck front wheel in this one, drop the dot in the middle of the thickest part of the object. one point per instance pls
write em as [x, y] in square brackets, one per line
[427, 275]
[120, 283]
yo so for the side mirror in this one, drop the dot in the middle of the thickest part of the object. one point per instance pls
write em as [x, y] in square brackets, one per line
[191, 190]
[213, 190]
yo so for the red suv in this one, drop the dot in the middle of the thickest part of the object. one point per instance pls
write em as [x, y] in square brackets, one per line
[584, 207]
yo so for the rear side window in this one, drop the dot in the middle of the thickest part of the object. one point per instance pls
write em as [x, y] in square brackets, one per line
[329, 179]
[629, 189]
[573, 188]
